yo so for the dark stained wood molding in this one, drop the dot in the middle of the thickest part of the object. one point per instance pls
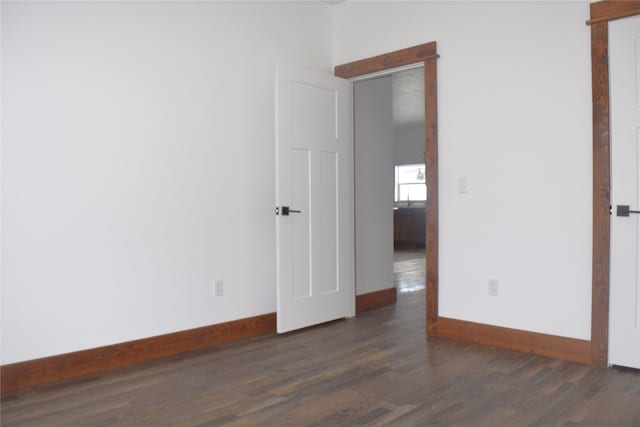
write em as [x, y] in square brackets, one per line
[376, 299]
[77, 364]
[428, 54]
[601, 194]
[610, 10]
[431, 166]
[386, 61]
[514, 339]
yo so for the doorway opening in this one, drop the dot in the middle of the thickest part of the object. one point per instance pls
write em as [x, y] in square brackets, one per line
[426, 56]
[390, 182]
[410, 189]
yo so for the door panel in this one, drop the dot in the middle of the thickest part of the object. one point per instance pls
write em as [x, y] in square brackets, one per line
[300, 169]
[314, 178]
[329, 226]
[637, 242]
[624, 323]
[314, 109]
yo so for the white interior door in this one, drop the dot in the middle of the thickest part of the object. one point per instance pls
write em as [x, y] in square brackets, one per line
[314, 180]
[624, 66]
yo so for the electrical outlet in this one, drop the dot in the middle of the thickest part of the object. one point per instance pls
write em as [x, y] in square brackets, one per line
[493, 287]
[218, 288]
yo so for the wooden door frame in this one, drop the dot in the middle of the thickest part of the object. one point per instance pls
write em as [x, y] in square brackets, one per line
[428, 54]
[601, 13]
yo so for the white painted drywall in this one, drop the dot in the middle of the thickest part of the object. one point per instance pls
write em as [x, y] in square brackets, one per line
[408, 144]
[136, 160]
[373, 184]
[137, 165]
[515, 119]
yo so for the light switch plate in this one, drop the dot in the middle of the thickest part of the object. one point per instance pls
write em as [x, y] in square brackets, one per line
[463, 185]
[493, 287]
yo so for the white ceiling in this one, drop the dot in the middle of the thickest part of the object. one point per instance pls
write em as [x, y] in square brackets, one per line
[408, 97]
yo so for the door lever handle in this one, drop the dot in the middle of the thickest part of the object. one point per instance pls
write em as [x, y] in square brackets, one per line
[624, 210]
[286, 210]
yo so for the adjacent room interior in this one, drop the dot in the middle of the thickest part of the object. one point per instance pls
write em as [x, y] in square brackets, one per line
[390, 180]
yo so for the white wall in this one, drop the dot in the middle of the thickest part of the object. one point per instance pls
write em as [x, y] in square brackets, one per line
[137, 147]
[515, 119]
[408, 144]
[373, 184]
[137, 165]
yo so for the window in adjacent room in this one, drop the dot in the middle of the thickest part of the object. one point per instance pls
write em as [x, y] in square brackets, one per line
[410, 183]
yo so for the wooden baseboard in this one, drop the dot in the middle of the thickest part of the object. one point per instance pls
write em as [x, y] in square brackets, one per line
[80, 363]
[376, 299]
[514, 339]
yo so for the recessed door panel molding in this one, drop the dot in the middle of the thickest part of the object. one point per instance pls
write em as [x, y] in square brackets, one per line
[329, 233]
[637, 180]
[637, 57]
[314, 109]
[300, 222]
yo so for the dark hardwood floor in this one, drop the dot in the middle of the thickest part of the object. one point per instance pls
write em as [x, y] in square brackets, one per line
[409, 270]
[376, 369]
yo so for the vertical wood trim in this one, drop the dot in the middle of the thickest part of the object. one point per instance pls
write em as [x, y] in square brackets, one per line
[601, 193]
[431, 160]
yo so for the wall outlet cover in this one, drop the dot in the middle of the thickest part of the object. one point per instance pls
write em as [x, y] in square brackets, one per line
[218, 288]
